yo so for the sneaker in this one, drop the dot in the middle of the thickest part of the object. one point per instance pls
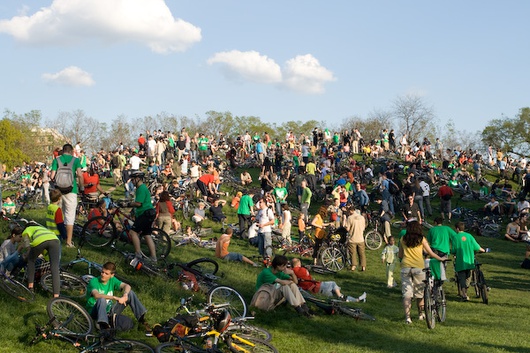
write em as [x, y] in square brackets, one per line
[362, 298]
[408, 321]
[465, 298]
[421, 316]
[148, 329]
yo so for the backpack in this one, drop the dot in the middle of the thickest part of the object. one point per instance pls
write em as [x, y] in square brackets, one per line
[392, 188]
[114, 162]
[64, 178]
[267, 298]
[180, 326]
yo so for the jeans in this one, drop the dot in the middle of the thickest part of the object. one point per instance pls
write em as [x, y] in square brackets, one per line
[99, 311]
[265, 244]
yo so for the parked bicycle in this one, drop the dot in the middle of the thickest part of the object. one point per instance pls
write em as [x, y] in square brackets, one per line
[69, 321]
[212, 333]
[336, 306]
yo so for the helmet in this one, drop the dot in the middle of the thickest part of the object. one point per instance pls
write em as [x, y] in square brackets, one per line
[138, 174]
[223, 321]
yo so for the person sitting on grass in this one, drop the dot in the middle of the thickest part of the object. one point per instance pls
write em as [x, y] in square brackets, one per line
[9, 206]
[221, 249]
[199, 214]
[328, 288]
[216, 210]
[284, 283]
[102, 291]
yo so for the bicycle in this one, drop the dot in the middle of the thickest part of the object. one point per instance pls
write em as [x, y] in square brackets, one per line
[334, 306]
[69, 321]
[115, 228]
[478, 282]
[373, 238]
[434, 298]
[201, 274]
[212, 333]
[303, 248]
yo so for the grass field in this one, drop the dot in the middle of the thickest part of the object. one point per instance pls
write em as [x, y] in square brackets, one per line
[500, 326]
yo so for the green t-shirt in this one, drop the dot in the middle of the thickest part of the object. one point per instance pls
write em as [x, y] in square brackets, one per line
[464, 247]
[306, 195]
[245, 204]
[66, 158]
[439, 238]
[143, 196]
[280, 194]
[110, 288]
[203, 143]
[452, 183]
[266, 276]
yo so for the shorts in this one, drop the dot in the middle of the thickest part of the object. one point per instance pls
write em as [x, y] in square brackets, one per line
[69, 206]
[412, 282]
[328, 288]
[144, 223]
[445, 206]
[202, 187]
[233, 256]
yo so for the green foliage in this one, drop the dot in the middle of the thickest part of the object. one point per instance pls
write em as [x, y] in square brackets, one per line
[512, 135]
[11, 153]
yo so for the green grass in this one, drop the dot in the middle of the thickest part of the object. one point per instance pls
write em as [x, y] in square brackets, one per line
[470, 327]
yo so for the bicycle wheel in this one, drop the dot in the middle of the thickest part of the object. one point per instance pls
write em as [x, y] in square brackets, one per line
[373, 240]
[483, 288]
[441, 305]
[249, 344]
[98, 232]
[162, 243]
[180, 346]
[250, 331]
[322, 270]
[16, 289]
[430, 310]
[355, 313]
[491, 230]
[72, 286]
[70, 316]
[475, 283]
[204, 266]
[398, 224]
[226, 294]
[186, 210]
[125, 346]
[332, 259]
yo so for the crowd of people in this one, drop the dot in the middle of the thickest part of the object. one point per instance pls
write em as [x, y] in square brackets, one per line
[295, 167]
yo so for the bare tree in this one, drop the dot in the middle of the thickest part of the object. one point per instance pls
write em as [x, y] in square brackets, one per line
[414, 117]
[77, 127]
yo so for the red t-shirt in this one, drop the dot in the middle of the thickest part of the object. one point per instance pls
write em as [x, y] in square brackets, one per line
[90, 179]
[207, 178]
[305, 281]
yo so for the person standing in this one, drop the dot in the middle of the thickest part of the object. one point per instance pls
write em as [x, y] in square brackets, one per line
[439, 238]
[411, 210]
[445, 193]
[265, 220]
[426, 195]
[244, 212]
[389, 258]
[305, 200]
[355, 225]
[69, 200]
[464, 247]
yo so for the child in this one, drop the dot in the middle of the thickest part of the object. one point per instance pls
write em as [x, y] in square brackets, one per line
[10, 257]
[389, 257]
[9, 206]
[54, 215]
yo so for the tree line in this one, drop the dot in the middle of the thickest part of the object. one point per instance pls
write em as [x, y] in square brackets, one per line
[410, 115]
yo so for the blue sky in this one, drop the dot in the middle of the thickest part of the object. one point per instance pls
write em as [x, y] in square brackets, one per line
[279, 60]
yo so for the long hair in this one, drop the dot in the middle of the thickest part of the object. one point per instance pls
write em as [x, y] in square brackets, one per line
[414, 235]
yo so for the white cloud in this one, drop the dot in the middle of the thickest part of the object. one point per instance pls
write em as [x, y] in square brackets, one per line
[148, 22]
[305, 74]
[70, 76]
[248, 65]
[302, 73]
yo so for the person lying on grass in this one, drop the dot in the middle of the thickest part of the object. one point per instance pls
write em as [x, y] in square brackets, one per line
[328, 288]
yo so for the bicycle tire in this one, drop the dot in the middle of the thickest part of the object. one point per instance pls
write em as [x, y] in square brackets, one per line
[125, 346]
[72, 286]
[398, 224]
[162, 243]
[483, 288]
[69, 316]
[204, 266]
[180, 346]
[373, 240]
[322, 270]
[474, 281]
[96, 236]
[16, 289]
[249, 344]
[357, 314]
[429, 307]
[332, 259]
[186, 211]
[226, 294]
[250, 331]
[441, 306]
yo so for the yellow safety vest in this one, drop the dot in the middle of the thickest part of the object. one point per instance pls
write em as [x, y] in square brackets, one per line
[50, 218]
[38, 235]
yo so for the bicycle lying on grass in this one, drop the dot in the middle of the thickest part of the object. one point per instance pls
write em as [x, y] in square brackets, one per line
[69, 321]
[334, 306]
[212, 331]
